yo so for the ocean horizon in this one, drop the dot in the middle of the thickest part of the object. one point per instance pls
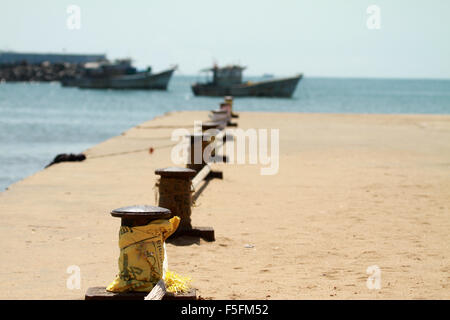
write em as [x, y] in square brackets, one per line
[40, 120]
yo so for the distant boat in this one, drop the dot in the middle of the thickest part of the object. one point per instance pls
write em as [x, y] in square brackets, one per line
[120, 75]
[228, 81]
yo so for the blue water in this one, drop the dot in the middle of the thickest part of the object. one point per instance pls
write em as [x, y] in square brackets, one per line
[39, 121]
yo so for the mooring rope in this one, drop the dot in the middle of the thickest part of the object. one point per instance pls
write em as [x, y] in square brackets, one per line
[128, 152]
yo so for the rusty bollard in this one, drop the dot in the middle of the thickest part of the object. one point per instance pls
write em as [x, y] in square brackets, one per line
[227, 107]
[175, 193]
[216, 126]
[198, 144]
[229, 100]
[220, 115]
[212, 125]
[135, 216]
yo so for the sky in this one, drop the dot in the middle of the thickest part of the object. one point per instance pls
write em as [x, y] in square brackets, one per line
[320, 38]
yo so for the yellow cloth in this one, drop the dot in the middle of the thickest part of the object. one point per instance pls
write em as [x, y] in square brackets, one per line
[142, 255]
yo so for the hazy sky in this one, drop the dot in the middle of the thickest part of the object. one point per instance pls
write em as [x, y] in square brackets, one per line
[316, 37]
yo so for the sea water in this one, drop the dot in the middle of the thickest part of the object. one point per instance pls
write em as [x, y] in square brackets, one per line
[40, 120]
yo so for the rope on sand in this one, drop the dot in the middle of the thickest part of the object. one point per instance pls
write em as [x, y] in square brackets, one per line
[148, 149]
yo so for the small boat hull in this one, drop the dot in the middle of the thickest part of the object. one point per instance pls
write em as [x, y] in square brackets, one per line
[270, 88]
[141, 80]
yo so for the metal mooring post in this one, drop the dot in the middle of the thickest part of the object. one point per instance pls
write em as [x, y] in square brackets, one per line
[212, 125]
[225, 109]
[198, 143]
[135, 216]
[229, 100]
[175, 193]
[219, 115]
[218, 136]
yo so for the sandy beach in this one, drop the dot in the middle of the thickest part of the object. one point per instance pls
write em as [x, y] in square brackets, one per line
[352, 191]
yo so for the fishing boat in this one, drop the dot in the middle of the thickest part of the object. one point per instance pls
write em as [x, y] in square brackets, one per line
[119, 75]
[228, 81]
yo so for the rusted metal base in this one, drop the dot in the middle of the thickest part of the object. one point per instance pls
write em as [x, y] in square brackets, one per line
[206, 233]
[216, 174]
[232, 124]
[100, 293]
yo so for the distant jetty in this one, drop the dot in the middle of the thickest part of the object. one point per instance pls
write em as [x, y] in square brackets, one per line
[43, 67]
[8, 58]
